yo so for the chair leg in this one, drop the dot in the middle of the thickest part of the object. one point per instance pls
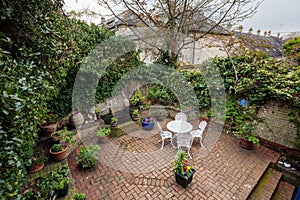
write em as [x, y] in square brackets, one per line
[162, 143]
[200, 139]
[189, 153]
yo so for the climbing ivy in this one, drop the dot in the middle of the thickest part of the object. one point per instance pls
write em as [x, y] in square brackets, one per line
[41, 52]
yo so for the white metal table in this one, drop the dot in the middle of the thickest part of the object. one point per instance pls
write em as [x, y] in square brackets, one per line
[179, 127]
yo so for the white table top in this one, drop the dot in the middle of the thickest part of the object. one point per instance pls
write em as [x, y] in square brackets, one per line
[179, 126]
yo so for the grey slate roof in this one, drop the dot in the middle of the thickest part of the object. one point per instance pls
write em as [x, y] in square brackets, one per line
[269, 44]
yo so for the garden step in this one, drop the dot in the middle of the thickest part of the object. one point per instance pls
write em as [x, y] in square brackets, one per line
[284, 191]
[266, 186]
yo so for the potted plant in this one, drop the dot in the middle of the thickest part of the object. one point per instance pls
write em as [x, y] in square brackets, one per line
[49, 128]
[37, 161]
[87, 156]
[135, 115]
[183, 172]
[59, 151]
[136, 100]
[60, 181]
[113, 122]
[148, 123]
[56, 183]
[98, 114]
[103, 134]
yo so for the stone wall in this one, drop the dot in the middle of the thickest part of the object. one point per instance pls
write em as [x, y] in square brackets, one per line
[277, 127]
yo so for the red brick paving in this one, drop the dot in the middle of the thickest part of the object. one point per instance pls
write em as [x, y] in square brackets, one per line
[133, 167]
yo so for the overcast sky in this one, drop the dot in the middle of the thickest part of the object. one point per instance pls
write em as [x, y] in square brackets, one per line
[275, 15]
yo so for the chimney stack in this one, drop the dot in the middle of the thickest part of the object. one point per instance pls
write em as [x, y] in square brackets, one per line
[258, 32]
[250, 30]
[240, 28]
[265, 33]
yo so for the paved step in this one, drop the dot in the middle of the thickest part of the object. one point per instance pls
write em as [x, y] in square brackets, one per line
[266, 185]
[284, 191]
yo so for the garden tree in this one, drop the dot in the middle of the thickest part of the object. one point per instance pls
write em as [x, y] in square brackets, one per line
[171, 25]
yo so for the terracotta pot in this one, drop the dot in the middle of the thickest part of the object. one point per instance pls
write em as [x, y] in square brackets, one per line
[59, 156]
[49, 128]
[36, 168]
[244, 143]
[55, 137]
[103, 139]
[76, 120]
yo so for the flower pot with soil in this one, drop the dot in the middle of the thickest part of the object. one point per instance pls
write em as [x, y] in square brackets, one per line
[49, 128]
[183, 172]
[37, 161]
[103, 134]
[59, 151]
[113, 122]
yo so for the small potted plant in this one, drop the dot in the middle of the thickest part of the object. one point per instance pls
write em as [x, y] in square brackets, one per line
[37, 161]
[113, 122]
[103, 134]
[148, 123]
[135, 115]
[88, 156]
[59, 151]
[98, 114]
[183, 172]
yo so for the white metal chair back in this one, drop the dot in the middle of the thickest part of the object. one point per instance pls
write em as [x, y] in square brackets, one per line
[164, 135]
[202, 125]
[184, 140]
[180, 117]
[198, 133]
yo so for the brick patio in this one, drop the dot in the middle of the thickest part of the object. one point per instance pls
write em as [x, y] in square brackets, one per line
[134, 167]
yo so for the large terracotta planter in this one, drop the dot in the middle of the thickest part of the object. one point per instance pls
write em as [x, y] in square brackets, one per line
[103, 139]
[184, 181]
[59, 156]
[49, 128]
[35, 168]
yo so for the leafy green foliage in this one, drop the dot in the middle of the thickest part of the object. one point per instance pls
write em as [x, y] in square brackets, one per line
[56, 180]
[78, 196]
[292, 49]
[88, 156]
[41, 52]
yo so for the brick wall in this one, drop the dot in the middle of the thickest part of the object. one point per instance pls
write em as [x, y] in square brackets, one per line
[276, 126]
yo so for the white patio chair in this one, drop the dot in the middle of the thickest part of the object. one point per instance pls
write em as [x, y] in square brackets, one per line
[198, 133]
[184, 140]
[180, 116]
[164, 135]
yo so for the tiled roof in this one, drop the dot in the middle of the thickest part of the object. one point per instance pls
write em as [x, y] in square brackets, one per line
[269, 44]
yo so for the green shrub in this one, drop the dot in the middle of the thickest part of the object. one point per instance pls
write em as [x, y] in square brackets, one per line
[88, 156]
